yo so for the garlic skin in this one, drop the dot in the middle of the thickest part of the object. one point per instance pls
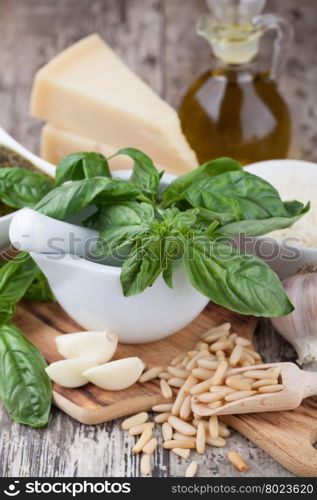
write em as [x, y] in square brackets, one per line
[300, 327]
[116, 375]
[99, 346]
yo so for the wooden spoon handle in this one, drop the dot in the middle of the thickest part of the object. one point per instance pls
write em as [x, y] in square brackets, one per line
[309, 380]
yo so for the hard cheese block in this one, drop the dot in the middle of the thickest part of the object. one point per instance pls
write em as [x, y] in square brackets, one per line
[57, 143]
[88, 90]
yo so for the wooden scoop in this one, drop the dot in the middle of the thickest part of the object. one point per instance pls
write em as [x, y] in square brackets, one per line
[299, 384]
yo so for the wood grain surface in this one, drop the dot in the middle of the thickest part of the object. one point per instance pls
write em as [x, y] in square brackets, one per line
[158, 41]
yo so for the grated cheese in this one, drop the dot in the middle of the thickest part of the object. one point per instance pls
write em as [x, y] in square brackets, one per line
[303, 189]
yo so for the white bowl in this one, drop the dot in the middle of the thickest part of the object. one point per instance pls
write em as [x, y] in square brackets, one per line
[278, 254]
[91, 294]
[47, 168]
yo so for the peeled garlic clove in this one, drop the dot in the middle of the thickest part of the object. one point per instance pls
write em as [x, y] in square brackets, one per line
[116, 375]
[99, 346]
[69, 372]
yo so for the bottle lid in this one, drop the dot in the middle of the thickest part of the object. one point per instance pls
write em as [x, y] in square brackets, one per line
[232, 30]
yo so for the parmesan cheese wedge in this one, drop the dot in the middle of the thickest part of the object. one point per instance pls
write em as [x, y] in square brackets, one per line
[89, 91]
[116, 375]
[99, 346]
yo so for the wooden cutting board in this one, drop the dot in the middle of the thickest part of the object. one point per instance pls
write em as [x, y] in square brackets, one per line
[286, 436]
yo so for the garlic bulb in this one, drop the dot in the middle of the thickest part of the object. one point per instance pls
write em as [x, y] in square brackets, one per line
[300, 327]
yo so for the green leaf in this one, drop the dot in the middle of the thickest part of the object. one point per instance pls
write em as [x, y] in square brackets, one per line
[69, 198]
[25, 389]
[22, 188]
[177, 188]
[168, 275]
[240, 282]
[142, 267]
[79, 166]
[15, 278]
[121, 223]
[144, 174]
[39, 290]
[239, 196]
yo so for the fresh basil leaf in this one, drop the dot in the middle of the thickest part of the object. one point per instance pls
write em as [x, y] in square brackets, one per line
[260, 227]
[241, 196]
[79, 166]
[25, 389]
[69, 198]
[168, 275]
[121, 223]
[39, 290]
[240, 282]
[213, 168]
[142, 267]
[144, 174]
[15, 278]
[22, 188]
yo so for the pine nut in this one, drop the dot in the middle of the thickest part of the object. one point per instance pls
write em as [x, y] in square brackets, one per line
[150, 447]
[202, 373]
[177, 443]
[218, 442]
[247, 359]
[242, 341]
[191, 364]
[165, 375]
[167, 431]
[255, 355]
[181, 452]
[222, 388]
[203, 346]
[163, 407]
[177, 360]
[139, 418]
[200, 439]
[237, 461]
[210, 397]
[176, 382]
[271, 388]
[238, 384]
[233, 336]
[138, 429]
[221, 345]
[201, 387]
[177, 372]
[144, 438]
[214, 405]
[178, 402]
[166, 389]
[235, 355]
[182, 437]
[264, 381]
[191, 469]
[213, 426]
[150, 374]
[260, 374]
[223, 430]
[196, 421]
[145, 465]
[189, 383]
[161, 417]
[185, 361]
[218, 377]
[239, 395]
[208, 364]
[185, 409]
[181, 426]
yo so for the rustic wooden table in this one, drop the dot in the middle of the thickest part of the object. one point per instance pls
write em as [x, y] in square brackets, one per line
[157, 39]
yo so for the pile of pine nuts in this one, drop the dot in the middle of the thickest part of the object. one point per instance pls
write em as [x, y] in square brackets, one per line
[200, 375]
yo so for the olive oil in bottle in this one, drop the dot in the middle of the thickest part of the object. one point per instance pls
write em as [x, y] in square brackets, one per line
[234, 109]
